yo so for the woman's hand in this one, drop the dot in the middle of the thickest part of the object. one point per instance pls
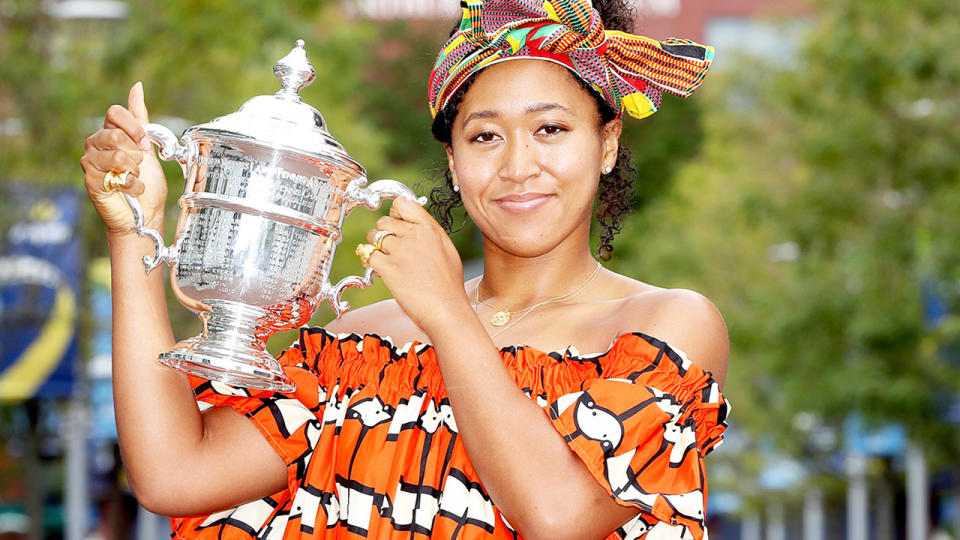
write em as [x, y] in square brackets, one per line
[419, 264]
[122, 145]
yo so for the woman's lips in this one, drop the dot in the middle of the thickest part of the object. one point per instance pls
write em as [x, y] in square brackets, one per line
[523, 202]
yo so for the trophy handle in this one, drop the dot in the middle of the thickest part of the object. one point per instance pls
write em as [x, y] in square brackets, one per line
[371, 197]
[166, 141]
[341, 306]
[162, 254]
[170, 150]
[377, 192]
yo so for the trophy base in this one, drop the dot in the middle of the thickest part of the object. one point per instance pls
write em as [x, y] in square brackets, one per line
[248, 369]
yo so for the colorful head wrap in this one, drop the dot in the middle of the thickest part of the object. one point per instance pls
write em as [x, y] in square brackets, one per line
[629, 71]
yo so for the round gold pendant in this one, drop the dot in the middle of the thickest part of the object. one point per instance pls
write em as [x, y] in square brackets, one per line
[500, 318]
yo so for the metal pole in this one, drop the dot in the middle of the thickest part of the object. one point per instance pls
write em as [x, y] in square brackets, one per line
[36, 487]
[956, 513]
[776, 529]
[750, 528]
[885, 515]
[77, 491]
[917, 504]
[813, 522]
[857, 497]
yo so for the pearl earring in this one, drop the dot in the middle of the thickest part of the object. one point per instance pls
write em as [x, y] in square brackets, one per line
[456, 189]
[607, 170]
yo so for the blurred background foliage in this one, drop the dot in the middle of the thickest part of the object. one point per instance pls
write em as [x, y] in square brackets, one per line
[815, 202]
[820, 214]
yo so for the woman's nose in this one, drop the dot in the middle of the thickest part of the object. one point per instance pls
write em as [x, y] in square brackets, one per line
[520, 161]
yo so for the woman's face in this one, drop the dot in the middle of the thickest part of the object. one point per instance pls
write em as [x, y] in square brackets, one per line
[527, 150]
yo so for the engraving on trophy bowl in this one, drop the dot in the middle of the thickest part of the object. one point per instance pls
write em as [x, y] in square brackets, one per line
[229, 255]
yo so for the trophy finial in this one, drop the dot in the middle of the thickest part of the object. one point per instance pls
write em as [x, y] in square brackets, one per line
[294, 71]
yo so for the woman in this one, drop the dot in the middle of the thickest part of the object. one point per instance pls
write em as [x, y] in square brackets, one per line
[386, 440]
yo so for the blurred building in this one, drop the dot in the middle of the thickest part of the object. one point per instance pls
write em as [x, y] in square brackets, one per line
[701, 20]
[769, 29]
[660, 16]
[88, 9]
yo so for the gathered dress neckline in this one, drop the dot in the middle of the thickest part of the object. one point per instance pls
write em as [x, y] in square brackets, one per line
[570, 352]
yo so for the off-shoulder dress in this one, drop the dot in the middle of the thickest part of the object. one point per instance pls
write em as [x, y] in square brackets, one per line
[372, 447]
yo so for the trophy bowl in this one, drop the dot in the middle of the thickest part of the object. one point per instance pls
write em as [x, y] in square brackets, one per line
[266, 191]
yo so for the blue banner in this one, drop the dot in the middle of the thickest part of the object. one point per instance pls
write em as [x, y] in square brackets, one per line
[40, 272]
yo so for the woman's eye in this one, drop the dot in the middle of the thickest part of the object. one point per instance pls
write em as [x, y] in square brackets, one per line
[484, 137]
[552, 129]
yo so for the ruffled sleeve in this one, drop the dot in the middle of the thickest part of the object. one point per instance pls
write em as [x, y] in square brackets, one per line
[289, 422]
[642, 428]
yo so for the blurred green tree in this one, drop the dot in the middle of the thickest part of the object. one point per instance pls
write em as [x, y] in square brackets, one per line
[821, 218]
[871, 123]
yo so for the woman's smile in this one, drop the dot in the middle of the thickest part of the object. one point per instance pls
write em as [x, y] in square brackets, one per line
[523, 202]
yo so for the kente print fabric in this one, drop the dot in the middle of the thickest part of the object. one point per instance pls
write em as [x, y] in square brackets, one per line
[373, 449]
[631, 72]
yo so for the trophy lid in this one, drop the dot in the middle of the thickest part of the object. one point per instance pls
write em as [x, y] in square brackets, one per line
[283, 119]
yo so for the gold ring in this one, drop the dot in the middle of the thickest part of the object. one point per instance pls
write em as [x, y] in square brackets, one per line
[379, 237]
[364, 251]
[115, 181]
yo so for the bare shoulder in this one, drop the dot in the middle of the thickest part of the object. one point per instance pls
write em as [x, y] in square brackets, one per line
[385, 319]
[684, 319]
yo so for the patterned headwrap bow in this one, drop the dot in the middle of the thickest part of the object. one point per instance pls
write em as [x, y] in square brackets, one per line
[629, 71]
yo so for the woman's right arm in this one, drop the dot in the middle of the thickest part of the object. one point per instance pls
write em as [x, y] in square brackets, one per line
[179, 462]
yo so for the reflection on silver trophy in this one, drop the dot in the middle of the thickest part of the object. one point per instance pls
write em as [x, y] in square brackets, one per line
[267, 190]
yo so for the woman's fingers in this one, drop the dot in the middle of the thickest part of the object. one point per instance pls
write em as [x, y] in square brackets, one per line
[98, 164]
[382, 240]
[134, 187]
[138, 108]
[116, 161]
[136, 104]
[393, 233]
[111, 149]
[120, 118]
[410, 211]
[96, 184]
[405, 216]
[390, 223]
[387, 223]
[113, 139]
[419, 265]
[118, 158]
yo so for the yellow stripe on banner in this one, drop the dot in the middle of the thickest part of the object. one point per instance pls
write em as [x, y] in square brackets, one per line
[35, 365]
[98, 272]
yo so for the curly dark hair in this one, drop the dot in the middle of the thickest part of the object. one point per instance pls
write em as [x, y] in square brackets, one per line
[615, 191]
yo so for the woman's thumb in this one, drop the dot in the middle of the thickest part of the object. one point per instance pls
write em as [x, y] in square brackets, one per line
[136, 104]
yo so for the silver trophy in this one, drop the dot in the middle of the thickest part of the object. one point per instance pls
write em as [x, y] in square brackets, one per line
[267, 189]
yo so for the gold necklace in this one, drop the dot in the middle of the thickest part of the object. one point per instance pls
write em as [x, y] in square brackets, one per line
[501, 318]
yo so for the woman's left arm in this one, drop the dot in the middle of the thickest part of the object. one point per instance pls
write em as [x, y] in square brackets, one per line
[537, 481]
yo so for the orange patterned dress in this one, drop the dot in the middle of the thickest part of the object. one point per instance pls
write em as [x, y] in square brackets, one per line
[373, 451]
